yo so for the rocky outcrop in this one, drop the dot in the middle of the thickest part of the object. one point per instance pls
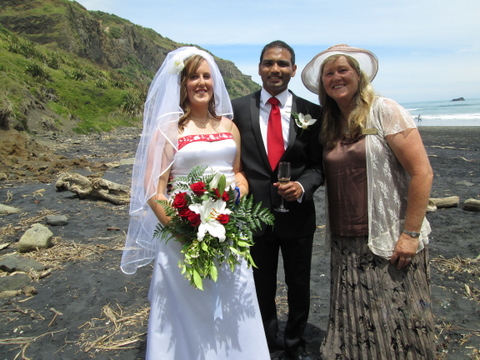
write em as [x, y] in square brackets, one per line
[104, 38]
[95, 54]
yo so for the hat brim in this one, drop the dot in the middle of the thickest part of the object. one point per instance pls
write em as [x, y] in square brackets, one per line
[311, 73]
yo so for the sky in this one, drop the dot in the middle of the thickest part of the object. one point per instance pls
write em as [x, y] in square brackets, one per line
[428, 50]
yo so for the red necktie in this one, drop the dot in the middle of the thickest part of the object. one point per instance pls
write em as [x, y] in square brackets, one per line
[274, 134]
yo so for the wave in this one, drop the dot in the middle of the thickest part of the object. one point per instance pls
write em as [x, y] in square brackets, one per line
[475, 116]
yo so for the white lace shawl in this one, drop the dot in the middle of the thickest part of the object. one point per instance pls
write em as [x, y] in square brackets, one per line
[387, 180]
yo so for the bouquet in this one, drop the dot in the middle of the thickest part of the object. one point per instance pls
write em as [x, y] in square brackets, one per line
[212, 222]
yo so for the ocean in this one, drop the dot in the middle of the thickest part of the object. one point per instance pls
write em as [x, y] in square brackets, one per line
[445, 113]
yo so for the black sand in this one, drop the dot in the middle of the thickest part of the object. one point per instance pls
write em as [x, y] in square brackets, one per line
[87, 308]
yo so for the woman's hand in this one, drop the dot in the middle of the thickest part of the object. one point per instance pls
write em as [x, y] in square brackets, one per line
[405, 250]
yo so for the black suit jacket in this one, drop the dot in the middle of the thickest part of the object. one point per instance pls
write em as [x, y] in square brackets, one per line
[304, 152]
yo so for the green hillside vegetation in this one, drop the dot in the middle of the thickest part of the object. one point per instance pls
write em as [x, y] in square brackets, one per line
[64, 68]
[72, 88]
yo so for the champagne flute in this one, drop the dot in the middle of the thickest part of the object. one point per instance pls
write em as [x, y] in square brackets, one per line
[283, 178]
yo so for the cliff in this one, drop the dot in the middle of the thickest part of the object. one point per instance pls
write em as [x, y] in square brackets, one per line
[87, 68]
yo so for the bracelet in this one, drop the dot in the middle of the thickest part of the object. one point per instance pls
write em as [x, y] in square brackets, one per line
[413, 234]
[237, 195]
[243, 186]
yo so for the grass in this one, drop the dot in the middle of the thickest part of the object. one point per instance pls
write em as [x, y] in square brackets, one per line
[29, 68]
[97, 97]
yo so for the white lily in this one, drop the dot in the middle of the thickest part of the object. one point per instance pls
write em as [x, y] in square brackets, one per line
[215, 180]
[304, 121]
[209, 211]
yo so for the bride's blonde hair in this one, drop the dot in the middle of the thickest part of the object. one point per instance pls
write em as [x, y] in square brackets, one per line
[332, 130]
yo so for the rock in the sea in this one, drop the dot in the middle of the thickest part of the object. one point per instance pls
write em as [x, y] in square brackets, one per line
[7, 210]
[37, 237]
[458, 99]
[13, 263]
[57, 220]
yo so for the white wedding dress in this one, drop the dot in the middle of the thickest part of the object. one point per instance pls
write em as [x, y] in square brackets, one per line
[221, 322]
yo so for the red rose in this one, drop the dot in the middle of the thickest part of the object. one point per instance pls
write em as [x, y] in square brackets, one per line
[194, 219]
[180, 201]
[184, 212]
[223, 219]
[198, 188]
[224, 196]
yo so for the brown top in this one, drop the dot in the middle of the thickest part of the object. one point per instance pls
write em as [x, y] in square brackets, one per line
[346, 174]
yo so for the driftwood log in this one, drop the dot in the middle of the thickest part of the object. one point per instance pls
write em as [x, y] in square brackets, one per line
[95, 188]
[447, 202]
[471, 205]
[431, 207]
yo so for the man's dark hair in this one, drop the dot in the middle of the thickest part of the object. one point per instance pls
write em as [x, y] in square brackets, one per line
[278, 44]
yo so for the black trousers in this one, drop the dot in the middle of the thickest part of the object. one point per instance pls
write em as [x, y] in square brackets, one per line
[297, 259]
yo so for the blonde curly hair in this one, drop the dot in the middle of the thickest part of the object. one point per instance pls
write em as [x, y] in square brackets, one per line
[332, 130]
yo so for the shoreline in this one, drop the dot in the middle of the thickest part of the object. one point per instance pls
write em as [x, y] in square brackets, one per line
[423, 125]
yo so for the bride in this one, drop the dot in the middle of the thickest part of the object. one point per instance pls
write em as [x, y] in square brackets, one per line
[187, 122]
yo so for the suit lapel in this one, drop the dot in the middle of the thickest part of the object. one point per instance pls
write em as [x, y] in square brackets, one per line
[255, 118]
[293, 128]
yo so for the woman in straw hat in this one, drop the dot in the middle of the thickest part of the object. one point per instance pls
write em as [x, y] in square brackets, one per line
[378, 180]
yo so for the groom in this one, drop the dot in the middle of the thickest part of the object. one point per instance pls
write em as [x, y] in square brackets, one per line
[269, 135]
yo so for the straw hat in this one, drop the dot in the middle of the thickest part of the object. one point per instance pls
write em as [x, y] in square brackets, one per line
[367, 60]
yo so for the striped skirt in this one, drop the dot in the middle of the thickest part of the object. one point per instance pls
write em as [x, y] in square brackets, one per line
[376, 311]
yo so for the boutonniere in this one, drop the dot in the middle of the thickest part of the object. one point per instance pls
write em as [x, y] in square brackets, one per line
[303, 121]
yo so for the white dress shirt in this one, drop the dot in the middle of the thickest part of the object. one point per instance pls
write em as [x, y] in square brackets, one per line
[285, 106]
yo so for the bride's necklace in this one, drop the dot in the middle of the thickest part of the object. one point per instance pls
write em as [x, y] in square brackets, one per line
[200, 123]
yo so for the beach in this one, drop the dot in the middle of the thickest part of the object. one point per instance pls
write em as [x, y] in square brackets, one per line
[84, 307]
